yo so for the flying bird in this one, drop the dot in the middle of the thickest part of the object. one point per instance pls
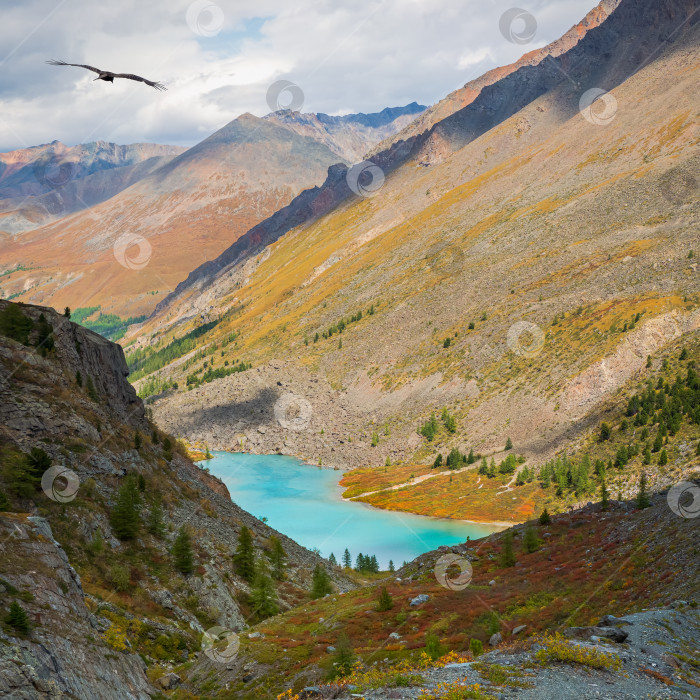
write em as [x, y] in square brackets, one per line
[108, 75]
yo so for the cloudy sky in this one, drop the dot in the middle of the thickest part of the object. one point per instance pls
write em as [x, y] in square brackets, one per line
[220, 58]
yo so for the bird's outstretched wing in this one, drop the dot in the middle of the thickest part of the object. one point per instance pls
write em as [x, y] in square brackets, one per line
[77, 65]
[131, 76]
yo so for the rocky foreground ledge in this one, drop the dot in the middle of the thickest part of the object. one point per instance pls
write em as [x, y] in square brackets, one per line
[641, 655]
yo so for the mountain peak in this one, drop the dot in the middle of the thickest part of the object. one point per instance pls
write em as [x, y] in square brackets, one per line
[350, 136]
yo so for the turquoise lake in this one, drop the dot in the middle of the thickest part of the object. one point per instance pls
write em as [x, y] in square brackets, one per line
[304, 502]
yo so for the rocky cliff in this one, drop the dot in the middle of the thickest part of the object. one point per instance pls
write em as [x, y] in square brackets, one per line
[76, 350]
[106, 612]
[62, 657]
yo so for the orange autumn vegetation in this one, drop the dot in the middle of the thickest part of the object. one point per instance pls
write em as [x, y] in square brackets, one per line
[359, 481]
[588, 564]
[463, 495]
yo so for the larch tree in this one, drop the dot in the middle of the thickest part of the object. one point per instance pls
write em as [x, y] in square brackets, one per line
[244, 558]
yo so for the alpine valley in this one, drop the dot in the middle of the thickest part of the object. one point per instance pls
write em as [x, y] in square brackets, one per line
[484, 310]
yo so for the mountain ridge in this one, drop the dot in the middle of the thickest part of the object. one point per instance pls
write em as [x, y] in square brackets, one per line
[515, 90]
[520, 232]
[349, 136]
[185, 211]
[42, 183]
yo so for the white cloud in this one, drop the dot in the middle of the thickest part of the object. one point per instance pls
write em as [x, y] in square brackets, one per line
[473, 58]
[347, 57]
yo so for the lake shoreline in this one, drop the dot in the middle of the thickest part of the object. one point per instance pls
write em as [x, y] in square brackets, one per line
[496, 523]
[308, 506]
[503, 524]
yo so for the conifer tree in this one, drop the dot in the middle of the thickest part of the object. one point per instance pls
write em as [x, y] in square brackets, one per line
[454, 459]
[264, 595]
[531, 541]
[38, 462]
[154, 524]
[14, 324]
[17, 618]
[244, 558]
[545, 518]
[509, 444]
[663, 458]
[332, 559]
[484, 468]
[642, 496]
[125, 515]
[20, 477]
[449, 421]
[429, 429]
[392, 568]
[604, 496]
[277, 556]
[45, 341]
[167, 449]
[182, 552]
[507, 554]
[476, 646]
[321, 583]
[90, 385]
[347, 559]
[97, 544]
[343, 658]
[385, 601]
[433, 648]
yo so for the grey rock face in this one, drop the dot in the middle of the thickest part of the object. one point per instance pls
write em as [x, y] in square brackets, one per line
[169, 681]
[55, 660]
[611, 621]
[613, 633]
[420, 599]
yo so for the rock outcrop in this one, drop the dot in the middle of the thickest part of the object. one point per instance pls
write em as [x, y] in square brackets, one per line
[77, 351]
[64, 656]
[66, 402]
